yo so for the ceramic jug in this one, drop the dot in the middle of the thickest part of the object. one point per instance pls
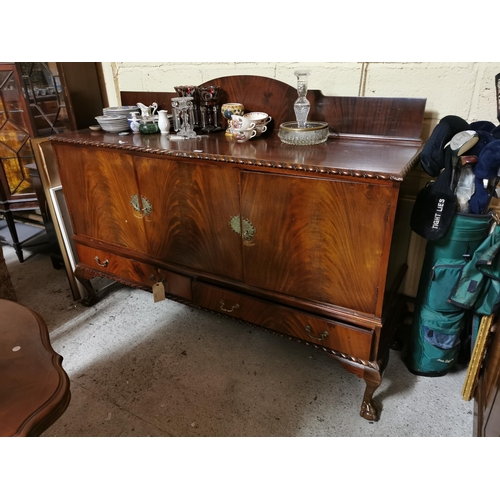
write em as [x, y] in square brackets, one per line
[147, 111]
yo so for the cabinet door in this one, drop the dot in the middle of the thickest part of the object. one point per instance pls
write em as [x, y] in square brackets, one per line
[15, 131]
[191, 205]
[101, 192]
[318, 239]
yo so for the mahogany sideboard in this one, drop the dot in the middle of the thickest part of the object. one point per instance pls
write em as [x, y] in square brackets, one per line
[294, 239]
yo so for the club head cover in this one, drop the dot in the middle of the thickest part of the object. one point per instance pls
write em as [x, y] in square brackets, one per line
[483, 125]
[432, 155]
[488, 161]
[435, 205]
[432, 212]
[479, 200]
[487, 167]
[496, 132]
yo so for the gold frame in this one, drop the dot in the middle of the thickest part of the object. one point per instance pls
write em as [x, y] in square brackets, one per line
[477, 357]
[49, 176]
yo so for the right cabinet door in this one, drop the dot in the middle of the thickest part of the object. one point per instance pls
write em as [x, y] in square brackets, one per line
[318, 239]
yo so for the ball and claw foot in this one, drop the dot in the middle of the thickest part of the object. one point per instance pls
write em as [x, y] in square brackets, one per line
[90, 300]
[371, 411]
[84, 278]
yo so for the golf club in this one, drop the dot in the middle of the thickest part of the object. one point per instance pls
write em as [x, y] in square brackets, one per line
[468, 160]
[460, 143]
[497, 88]
[465, 188]
[465, 185]
[491, 188]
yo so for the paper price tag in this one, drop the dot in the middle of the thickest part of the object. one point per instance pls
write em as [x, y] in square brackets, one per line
[158, 291]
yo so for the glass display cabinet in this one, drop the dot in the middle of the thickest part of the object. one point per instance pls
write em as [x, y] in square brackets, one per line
[37, 99]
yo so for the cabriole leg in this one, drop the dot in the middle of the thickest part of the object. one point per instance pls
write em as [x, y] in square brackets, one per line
[370, 409]
[372, 376]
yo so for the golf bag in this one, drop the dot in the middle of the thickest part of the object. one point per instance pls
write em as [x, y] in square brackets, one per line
[438, 324]
[457, 285]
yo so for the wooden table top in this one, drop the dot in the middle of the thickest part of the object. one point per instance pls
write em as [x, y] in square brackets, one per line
[34, 388]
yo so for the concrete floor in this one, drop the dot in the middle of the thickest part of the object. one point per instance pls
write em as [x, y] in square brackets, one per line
[143, 369]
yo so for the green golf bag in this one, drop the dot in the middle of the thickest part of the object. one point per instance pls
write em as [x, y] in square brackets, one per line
[438, 325]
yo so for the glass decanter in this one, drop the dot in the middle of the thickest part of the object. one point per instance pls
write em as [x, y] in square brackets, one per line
[301, 105]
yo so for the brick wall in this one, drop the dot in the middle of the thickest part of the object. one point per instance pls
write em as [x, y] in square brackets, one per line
[465, 89]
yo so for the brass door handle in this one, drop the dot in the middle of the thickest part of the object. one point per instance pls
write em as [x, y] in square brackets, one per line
[222, 304]
[247, 232]
[322, 336]
[146, 209]
[99, 263]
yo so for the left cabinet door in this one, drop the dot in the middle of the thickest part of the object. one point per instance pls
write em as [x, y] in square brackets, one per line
[102, 195]
[190, 208]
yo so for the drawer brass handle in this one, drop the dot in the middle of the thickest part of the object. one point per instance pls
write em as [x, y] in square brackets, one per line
[322, 336]
[103, 264]
[222, 304]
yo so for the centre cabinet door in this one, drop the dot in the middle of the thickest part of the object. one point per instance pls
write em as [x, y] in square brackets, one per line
[325, 239]
[191, 205]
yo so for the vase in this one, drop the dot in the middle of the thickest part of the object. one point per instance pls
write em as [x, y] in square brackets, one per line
[163, 121]
[148, 126]
[228, 110]
[209, 108]
[134, 123]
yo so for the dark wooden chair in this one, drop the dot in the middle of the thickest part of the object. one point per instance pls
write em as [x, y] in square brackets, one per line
[34, 388]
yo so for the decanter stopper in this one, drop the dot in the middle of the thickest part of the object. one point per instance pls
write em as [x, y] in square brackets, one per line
[301, 105]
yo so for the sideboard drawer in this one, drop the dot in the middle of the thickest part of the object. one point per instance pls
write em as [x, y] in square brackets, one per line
[340, 337]
[135, 272]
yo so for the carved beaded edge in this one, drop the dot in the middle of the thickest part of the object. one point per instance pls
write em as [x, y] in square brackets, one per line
[246, 161]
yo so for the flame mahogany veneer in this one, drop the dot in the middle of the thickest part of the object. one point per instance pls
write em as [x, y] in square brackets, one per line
[295, 240]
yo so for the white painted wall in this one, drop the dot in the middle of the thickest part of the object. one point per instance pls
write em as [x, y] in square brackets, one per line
[466, 89]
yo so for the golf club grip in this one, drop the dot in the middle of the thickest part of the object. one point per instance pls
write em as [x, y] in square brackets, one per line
[497, 88]
[467, 160]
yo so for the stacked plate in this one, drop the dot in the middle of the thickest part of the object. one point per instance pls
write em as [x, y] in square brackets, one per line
[116, 124]
[120, 110]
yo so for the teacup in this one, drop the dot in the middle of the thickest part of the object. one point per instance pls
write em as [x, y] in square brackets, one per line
[258, 117]
[260, 129]
[241, 123]
[243, 135]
